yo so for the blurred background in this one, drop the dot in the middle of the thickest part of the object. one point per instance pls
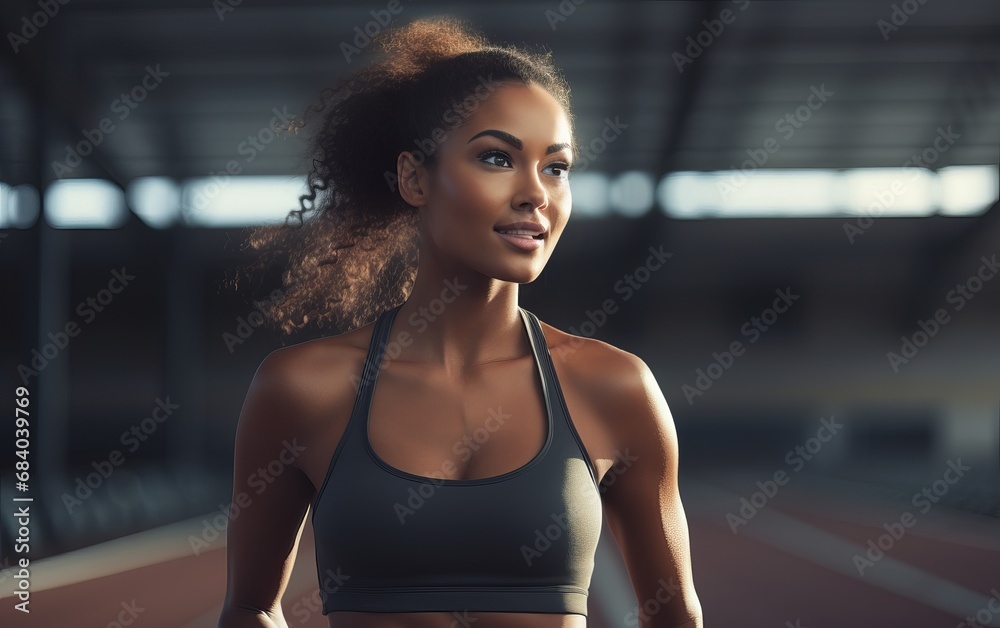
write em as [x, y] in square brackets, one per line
[821, 177]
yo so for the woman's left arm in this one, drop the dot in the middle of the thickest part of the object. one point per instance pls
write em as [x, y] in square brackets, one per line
[642, 502]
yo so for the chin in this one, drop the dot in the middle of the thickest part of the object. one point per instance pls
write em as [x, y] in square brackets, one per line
[524, 279]
[511, 266]
[518, 275]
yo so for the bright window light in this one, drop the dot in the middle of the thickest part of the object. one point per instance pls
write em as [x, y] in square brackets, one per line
[891, 191]
[957, 190]
[735, 194]
[5, 205]
[631, 193]
[240, 201]
[672, 190]
[590, 194]
[968, 190]
[156, 200]
[85, 204]
[783, 192]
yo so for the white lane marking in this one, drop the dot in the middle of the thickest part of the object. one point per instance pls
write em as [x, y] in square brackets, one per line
[835, 553]
[116, 556]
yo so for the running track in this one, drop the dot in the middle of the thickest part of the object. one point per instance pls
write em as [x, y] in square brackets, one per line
[790, 565]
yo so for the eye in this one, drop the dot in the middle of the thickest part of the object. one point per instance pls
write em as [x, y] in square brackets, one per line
[502, 156]
[560, 166]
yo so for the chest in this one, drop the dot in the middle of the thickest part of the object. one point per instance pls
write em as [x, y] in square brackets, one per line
[491, 423]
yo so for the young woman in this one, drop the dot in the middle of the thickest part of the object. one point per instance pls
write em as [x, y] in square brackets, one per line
[468, 486]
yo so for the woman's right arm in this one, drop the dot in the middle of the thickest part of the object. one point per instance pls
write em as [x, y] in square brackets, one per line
[269, 509]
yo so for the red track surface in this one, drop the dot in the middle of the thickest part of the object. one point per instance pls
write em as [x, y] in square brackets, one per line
[742, 582]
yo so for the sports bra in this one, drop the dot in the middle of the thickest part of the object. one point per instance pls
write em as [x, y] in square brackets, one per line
[524, 541]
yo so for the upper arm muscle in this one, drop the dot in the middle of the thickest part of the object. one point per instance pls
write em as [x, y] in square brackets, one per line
[270, 494]
[642, 503]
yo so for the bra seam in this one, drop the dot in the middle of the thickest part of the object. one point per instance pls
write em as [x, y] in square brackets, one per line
[549, 588]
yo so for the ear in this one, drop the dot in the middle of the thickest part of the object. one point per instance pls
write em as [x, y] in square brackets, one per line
[413, 179]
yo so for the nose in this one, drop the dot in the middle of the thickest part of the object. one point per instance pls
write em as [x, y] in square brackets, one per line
[532, 193]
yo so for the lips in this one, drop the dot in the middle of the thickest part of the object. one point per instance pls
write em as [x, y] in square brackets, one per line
[520, 233]
[522, 242]
[523, 229]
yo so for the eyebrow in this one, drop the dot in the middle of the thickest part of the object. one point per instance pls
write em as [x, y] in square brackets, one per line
[515, 142]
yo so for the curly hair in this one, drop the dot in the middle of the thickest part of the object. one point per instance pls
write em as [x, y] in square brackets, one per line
[350, 251]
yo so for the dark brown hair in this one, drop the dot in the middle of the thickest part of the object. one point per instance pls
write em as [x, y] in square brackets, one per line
[355, 254]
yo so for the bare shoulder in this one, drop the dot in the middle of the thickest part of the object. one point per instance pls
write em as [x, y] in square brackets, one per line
[296, 386]
[610, 379]
[594, 361]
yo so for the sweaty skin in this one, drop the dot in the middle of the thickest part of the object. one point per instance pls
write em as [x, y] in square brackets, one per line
[474, 355]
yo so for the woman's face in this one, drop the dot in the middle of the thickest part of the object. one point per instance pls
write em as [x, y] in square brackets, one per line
[506, 164]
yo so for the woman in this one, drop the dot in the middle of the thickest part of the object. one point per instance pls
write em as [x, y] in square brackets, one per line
[462, 492]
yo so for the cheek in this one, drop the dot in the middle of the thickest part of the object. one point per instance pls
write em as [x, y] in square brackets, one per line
[563, 200]
[469, 200]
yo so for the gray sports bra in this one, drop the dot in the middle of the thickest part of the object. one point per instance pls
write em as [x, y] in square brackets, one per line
[522, 541]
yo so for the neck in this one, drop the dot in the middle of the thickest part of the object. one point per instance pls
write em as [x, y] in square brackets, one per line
[456, 318]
